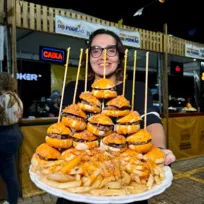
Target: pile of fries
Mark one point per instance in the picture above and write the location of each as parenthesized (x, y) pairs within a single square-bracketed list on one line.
[(99, 173)]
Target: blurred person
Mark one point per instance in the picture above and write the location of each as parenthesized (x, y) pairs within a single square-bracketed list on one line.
[(11, 111), (55, 103), (54, 108)]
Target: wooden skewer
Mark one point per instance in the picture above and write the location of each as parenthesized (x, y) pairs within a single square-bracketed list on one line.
[(146, 90), (104, 64), (133, 84), (77, 79), (86, 69), (65, 75), (125, 68)]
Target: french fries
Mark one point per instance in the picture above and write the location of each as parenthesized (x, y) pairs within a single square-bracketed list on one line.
[(97, 173)]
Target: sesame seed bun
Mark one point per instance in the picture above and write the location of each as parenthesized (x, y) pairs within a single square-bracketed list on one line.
[(85, 135), (140, 141), (103, 83), (90, 98), (74, 109), (59, 128), (100, 119), (127, 129), (156, 155), (119, 101), (104, 88), (114, 138), (132, 117)]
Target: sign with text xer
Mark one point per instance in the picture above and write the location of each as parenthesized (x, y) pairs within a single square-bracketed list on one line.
[(50, 54)]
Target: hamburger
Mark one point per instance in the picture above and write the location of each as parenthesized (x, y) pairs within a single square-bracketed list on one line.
[(85, 140), (155, 155), (140, 141), (100, 124), (117, 107), (103, 89), (59, 136), (69, 154), (44, 154), (74, 117), (89, 103), (114, 143), (128, 124)]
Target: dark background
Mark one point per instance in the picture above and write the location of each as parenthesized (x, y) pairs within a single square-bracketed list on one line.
[(34, 90), (184, 18)]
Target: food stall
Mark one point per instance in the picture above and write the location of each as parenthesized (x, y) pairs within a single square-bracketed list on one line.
[(185, 130)]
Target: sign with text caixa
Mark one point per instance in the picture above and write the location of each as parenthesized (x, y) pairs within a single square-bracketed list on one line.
[(50, 54), (83, 29)]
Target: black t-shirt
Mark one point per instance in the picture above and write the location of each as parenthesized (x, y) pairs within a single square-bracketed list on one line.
[(152, 115), (54, 110)]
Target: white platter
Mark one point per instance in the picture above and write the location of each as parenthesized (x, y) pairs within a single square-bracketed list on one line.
[(156, 190)]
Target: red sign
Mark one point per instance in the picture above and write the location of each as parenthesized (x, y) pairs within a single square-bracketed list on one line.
[(52, 54), (178, 69)]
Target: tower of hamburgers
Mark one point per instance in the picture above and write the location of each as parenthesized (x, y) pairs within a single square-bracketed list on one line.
[(85, 140), (44, 154), (103, 89), (74, 117), (114, 143), (59, 136), (117, 107), (128, 124), (100, 125), (141, 141), (89, 103)]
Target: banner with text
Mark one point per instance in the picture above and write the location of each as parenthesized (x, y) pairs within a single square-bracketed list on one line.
[(83, 29), (194, 51)]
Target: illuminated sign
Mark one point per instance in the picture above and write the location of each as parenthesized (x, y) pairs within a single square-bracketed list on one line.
[(28, 76), (202, 76), (176, 68), (201, 87), (52, 55)]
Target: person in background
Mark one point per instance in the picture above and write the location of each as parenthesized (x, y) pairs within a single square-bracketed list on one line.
[(11, 111), (55, 104), (104, 39)]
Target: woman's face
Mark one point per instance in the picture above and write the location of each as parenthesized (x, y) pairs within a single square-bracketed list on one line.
[(98, 44)]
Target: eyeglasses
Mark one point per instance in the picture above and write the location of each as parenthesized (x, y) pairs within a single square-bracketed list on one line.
[(96, 51)]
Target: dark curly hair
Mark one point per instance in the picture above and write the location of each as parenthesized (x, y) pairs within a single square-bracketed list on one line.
[(120, 48), (7, 82)]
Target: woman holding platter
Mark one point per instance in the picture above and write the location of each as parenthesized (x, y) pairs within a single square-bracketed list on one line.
[(102, 40)]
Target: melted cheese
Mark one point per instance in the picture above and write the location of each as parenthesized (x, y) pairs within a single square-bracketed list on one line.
[(108, 148), (81, 146)]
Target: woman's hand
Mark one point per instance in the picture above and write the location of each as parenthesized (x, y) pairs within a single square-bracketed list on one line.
[(169, 157)]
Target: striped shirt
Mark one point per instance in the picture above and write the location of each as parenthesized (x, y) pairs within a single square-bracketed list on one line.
[(11, 108)]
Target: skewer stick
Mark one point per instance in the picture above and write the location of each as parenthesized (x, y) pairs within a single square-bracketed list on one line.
[(104, 64), (86, 69), (125, 68), (65, 75), (77, 79), (133, 84), (146, 88)]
